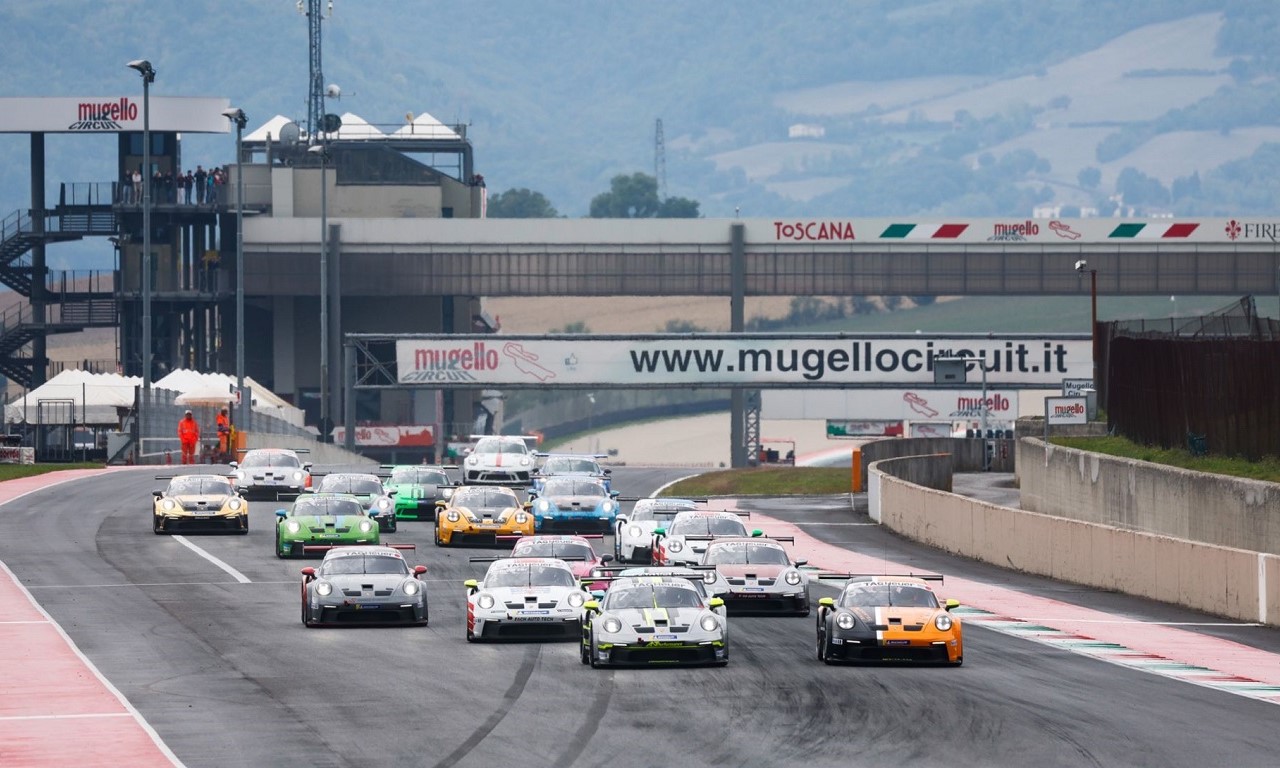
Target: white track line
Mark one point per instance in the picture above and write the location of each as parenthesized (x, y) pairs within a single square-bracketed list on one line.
[(238, 576)]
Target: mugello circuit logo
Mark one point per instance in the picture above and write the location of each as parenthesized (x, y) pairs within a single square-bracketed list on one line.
[(103, 116)]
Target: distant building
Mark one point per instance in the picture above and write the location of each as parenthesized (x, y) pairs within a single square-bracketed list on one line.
[(806, 131)]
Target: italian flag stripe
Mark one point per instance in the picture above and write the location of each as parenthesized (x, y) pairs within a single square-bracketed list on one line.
[(949, 231), (1127, 230), (897, 231), (1180, 230)]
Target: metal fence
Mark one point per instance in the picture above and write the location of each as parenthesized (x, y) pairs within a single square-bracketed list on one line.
[(154, 428)]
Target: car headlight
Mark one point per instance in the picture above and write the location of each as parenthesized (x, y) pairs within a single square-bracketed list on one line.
[(324, 588), (542, 505), (792, 578), (521, 518), (447, 493), (168, 504), (635, 531), (675, 545), (411, 587), (709, 576), (845, 620), (452, 516), (612, 626), (366, 526), (942, 622), (384, 503), (234, 504), (299, 477), (576, 599), (485, 601), (472, 461), (292, 526), (525, 462), (608, 506), (709, 623)]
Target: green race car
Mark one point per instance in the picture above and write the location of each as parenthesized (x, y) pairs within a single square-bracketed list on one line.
[(318, 522), (417, 489)]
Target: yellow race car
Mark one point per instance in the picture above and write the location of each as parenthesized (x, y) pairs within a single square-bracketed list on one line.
[(888, 618), (475, 514), (199, 502)]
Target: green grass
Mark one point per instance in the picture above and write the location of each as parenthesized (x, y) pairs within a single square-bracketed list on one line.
[(15, 471), (1267, 469), (766, 481)]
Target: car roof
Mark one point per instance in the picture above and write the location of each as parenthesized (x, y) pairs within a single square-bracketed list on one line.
[(511, 562), (553, 537), (744, 540), (653, 581)]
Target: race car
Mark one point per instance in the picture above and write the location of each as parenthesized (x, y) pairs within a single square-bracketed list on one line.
[(364, 585), (888, 618), (196, 502), (525, 598), (498, 460), (480, 514), (318, 522), (683, 541), (417, 489), (368, 489), (275, 474), (761, 577), (654, 620), (633, 533), (573, 505), (571, 465), (575, 550)]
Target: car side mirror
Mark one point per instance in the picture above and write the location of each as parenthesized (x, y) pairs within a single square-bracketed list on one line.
[(952, 603), (233, 464), (597, 594), (441, 504), (606, 558), (392, 492), (591, 605), (309, 572), (659, 531), (157, 494), (307, 466), (282, 513), (757, 533), (614, 494), (716, 602), (608, 471), (799, 563), (827, 602), (418, 570), (472, 585)]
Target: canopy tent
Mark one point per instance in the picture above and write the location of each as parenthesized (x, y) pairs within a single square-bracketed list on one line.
[(215, 389), (270, 128), (424, 126), (356, 127), (75, 396)]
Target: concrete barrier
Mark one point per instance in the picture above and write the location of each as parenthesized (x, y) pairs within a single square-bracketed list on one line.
[(1214, 509), (967, 451), (319, 453), (1225, 581)]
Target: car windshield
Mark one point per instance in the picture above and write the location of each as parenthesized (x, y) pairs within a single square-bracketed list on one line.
[(568, 486), (419, 477), (484, 498), (695, 578), (360, 486), (199, 486), (653, 596), (270, 459), (351, 564), (704, 525), (305, 507), (574, 549), (504, 445), (563, 465), (530, 576), (872, 595), (663, 514), (747, 554)]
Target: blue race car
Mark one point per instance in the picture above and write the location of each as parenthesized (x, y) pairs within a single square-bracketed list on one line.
[(573, 505), (571, 465)]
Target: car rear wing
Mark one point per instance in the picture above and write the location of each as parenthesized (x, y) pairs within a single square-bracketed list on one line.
[(496, 558), (545, 454), (667, 498), (846, 576)]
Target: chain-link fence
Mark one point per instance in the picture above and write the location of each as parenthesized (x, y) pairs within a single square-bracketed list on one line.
[(153, 429)]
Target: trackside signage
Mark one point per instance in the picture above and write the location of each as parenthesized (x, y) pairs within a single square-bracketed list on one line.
[(112, 114), (719, 360), (1066, 410)]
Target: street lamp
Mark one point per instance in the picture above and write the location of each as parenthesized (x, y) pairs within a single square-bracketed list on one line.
[(325, 426), (237, 116), (148, 73), (1082, 266)]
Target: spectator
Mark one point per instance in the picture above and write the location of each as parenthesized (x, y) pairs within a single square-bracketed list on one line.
[(184, 187), (137, 185), (126, 189), (188, 436), (168, 187), (201, 179), (224, 434)]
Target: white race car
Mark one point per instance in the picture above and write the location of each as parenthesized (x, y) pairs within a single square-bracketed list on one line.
[(654, 620), (274, 474), (499, 460), (633, 531), (683, 541), (524, 598), (761, 577)]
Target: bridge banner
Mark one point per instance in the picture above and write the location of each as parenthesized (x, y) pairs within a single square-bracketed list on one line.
[(724, 360)]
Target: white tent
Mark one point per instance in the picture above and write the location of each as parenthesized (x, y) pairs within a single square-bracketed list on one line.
[(197, 388), (272, 127), (75, 396), (356, 127), (424, 126)]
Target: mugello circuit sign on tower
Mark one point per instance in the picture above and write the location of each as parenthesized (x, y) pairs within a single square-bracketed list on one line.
[(726, 360), (112, 114)]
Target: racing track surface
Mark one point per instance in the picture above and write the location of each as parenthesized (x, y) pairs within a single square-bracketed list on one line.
[(227, 675)]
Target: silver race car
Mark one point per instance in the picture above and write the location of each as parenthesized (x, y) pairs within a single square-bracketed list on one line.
[(525, 598), (364, 585), (686, 538), (761, 577), (704, 578), (276, 474), (499, 460), (654, 620), (633, 531)]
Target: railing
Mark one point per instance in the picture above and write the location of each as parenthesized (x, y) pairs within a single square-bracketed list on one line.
[(15, 224), (13, 317), (83, 193), (95, 281)]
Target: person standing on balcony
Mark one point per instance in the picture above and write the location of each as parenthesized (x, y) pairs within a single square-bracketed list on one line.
[(189, 436)]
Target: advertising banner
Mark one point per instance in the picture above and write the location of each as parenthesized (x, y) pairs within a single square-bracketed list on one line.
[(721, 360), (870, 428), (1066, 410), (393, 436), (13, 454), (112, 114)]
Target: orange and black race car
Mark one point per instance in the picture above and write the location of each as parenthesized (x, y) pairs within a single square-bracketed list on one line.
[(888, 618)]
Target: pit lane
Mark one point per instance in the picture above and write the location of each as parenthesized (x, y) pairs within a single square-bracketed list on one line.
[(227, 675)]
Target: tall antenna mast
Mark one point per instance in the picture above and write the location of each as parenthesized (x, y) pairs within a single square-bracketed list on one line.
[(660, 160), (315, 92)]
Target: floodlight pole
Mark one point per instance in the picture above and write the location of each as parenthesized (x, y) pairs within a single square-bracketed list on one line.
[(238, 117), (325, 427), (148, 74)]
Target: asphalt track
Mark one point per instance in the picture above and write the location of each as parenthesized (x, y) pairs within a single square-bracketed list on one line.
[(214, 657)]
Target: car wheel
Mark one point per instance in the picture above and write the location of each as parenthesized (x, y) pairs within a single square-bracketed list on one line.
[(471, 636), (279, 552), (592, 660), (822, 645), (585, 653), (958, 662), (157, 527), (439, 541)]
